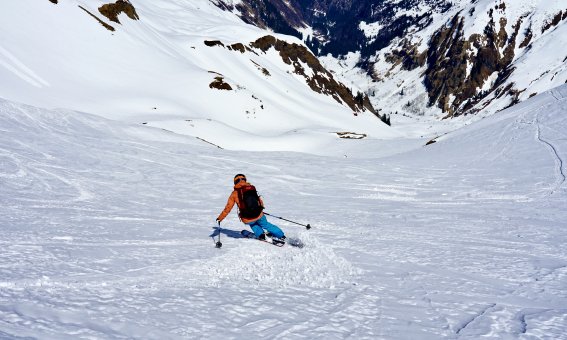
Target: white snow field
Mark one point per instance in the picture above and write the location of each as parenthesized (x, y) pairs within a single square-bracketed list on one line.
[(106, 233)]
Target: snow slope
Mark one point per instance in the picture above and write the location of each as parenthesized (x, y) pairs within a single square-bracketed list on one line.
[(106, 233), (157, 70)]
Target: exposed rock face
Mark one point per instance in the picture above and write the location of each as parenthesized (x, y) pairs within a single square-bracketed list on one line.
[(458, 67), (112, 11), (317, 77), (321, 80), (54, 1), (282, 16), (220, 84), (407, 55), (562, 15), (238, 47), (212, 43)]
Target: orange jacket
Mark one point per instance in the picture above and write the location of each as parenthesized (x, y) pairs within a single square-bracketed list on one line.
[(233, 198)]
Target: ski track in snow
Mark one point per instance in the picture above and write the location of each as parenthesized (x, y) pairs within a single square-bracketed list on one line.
[(560, 163), (12, 64), (109, 236)]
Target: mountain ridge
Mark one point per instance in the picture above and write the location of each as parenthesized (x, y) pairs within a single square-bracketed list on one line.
[(478, 70)]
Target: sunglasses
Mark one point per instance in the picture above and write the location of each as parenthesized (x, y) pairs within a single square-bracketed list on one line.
[(237, 180)]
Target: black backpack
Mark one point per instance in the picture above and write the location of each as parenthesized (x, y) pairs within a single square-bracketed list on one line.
[(250, 206)]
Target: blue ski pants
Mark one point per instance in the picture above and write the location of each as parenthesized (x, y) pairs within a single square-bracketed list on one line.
[(262, 224)]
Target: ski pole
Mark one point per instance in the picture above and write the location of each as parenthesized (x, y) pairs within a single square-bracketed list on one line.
[(307, 226), (218, 244)]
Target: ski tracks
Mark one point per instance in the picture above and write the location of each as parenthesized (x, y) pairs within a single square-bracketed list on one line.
[(550, 143), (14, 65)]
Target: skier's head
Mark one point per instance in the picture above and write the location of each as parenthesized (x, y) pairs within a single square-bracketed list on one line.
[(238, 178)]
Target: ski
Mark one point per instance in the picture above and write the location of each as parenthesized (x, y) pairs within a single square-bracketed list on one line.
[(290, 241), (249, 234)]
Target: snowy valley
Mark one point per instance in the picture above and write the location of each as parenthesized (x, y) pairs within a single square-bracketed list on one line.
[(117, 152)]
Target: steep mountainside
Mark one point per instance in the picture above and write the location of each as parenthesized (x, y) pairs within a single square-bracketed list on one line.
[(485, 56), (185, 66), (442, 57)]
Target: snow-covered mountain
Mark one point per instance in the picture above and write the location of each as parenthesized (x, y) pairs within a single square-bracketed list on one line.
[(196, 68), (433, 57), (185, 66)]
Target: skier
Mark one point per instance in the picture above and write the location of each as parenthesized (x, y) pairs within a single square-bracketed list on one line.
[(250, 207)]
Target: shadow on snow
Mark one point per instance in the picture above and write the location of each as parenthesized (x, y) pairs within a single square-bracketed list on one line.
[(228, 232)]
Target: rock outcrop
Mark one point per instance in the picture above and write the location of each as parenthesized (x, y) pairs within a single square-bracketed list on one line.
[(113, 10), (305, 64), (458, 67)]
